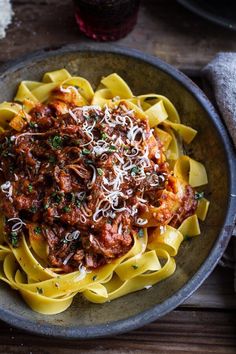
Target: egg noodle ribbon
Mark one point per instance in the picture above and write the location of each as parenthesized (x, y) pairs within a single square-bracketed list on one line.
[(151, 258)]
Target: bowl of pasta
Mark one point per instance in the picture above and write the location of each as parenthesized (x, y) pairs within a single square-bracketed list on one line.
[(116, 190)]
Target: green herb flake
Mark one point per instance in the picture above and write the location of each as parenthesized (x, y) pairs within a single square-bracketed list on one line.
[(72, 197), (135, 266), (199, 195), (5, 153), (39, 290), (140, 233), (56, 142), (14, 239), (112, 148), (86, 152), (46, 206), (37, 230), (78, 142), (94, 277), (135, 170), (33, 125), (104, 136), (66, 209), (100, 171), (57, 198), (88, 162), (30, 188), (78, 203), (187, 238), (52, 159), (33, 209)]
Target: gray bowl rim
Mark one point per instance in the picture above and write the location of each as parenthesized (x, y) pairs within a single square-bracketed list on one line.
[(230, 24), (152, 314)]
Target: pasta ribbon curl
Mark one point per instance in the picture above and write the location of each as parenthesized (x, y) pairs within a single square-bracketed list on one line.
[(151, 258)]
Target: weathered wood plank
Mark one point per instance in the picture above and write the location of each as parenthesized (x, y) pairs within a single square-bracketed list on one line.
[(216, 292), (164, 29), (178, 332)]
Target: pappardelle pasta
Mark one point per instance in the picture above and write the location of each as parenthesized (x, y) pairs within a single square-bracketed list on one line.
[(96, 194)]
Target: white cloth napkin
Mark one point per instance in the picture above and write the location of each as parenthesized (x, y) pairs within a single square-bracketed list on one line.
[(220, 80), (6, 14)]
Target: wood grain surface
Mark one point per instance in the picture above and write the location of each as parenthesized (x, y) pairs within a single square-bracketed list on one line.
[(191, 331), (206, 322), (164, 29)]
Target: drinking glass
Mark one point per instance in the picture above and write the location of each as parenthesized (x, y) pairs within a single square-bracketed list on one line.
[(106, 20)]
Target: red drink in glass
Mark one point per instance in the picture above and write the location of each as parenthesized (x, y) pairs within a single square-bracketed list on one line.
[(106, 20)]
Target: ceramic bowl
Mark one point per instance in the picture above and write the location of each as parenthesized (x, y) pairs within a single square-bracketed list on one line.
[(212, 146)]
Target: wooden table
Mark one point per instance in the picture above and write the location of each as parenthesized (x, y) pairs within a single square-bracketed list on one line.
[(206, 322)]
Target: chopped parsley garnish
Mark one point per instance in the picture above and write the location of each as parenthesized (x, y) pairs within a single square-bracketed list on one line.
[(104, 136), (14, 239), (141, 233), (56, 142), (33, 209), (57, 198), (5, 153), (112, 148), (100, 171), (187, 238), (71, 197), (33, 125), (78, 142), (86, 151), (135, 170), (88, 162), (37, 230), (94, 277), (78, 203), (199, 195), (52, 159), (30, 188), (134, 266), (66, 209), (46, 206), (39, 290)]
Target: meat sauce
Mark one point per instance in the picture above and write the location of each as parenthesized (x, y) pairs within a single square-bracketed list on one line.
[(85, 178)]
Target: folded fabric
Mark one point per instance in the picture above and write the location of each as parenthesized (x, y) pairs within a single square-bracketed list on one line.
[(220, 79), (6, 14)]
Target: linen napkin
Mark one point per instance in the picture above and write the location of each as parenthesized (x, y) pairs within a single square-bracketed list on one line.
[(220, 80), (6, 14)]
